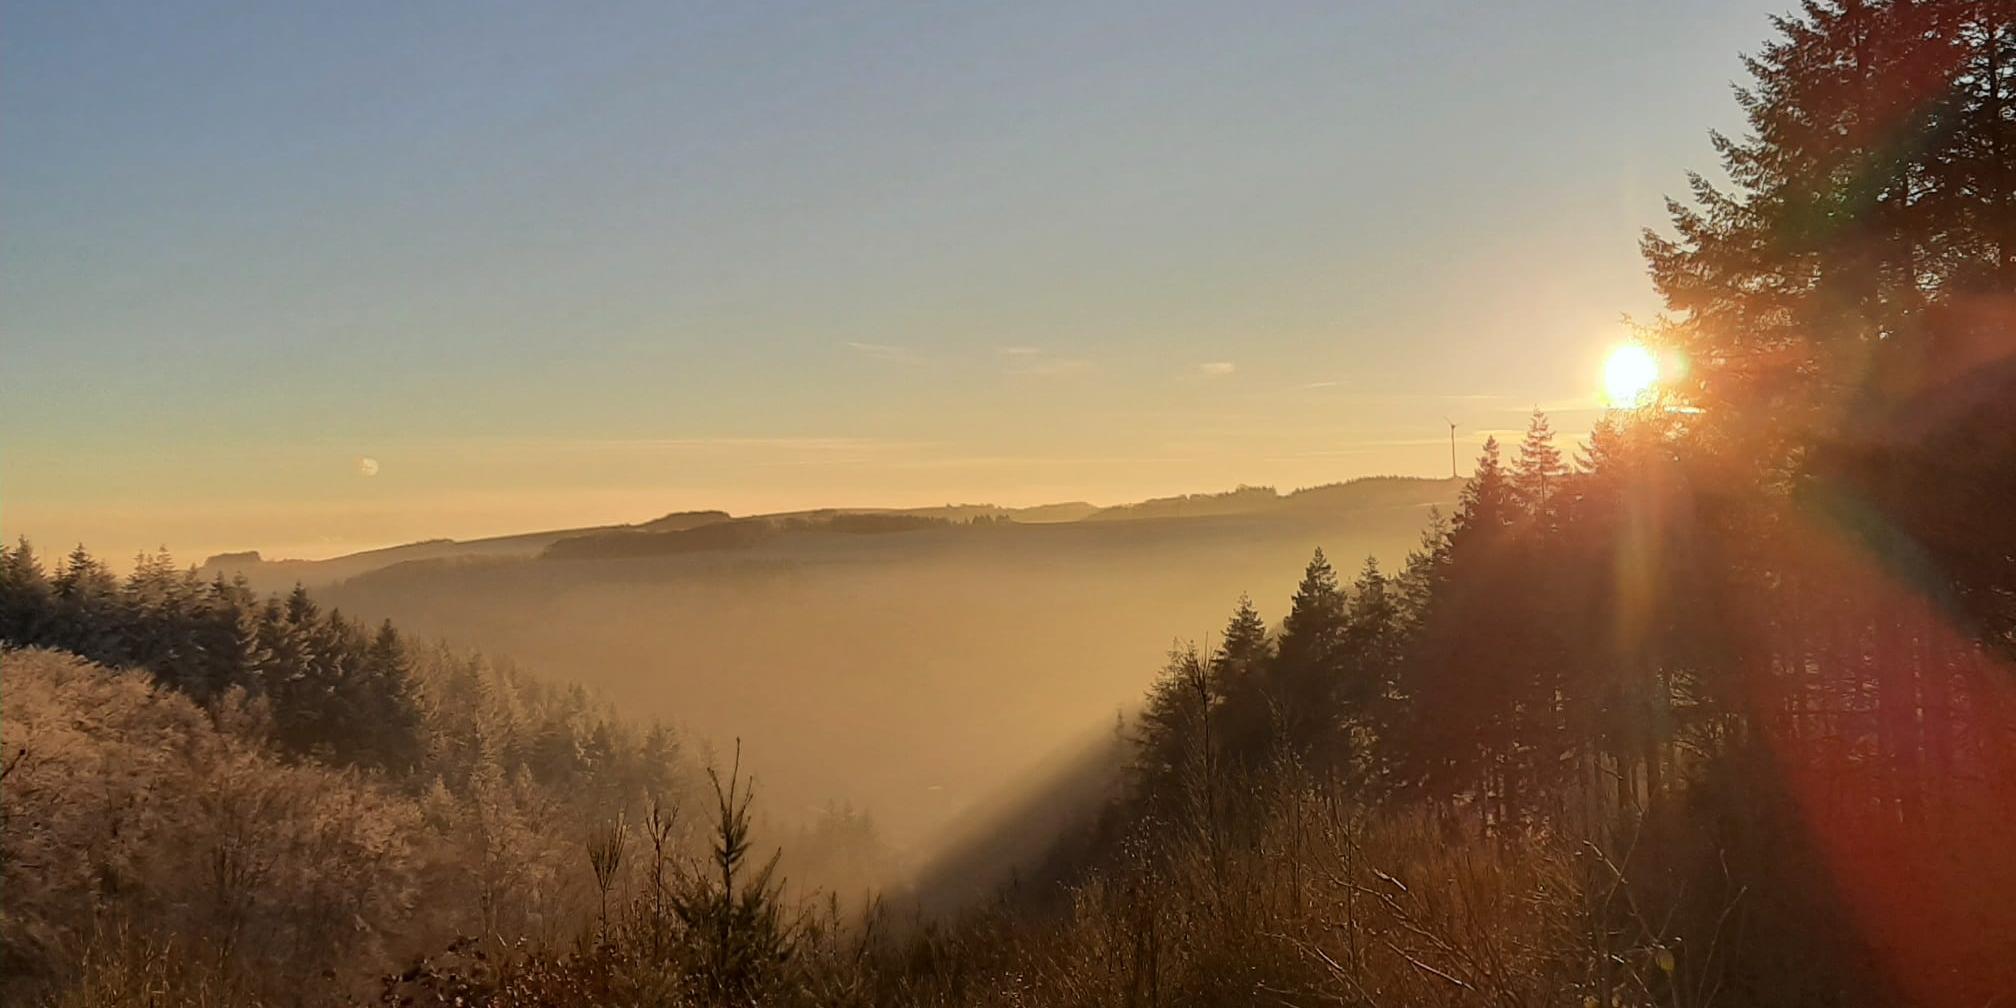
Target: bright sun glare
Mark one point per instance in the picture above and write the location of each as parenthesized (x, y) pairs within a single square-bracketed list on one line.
[(1629, 375)]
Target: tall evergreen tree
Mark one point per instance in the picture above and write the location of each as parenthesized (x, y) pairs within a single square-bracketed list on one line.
[(1178, 755), (1239, 669), (1485, 508), (1245, 647), (25, 597), (89, 618), (394, 715), (1415, 587), (1870, 222), (1304, 684), (1372, 643), (1538, 471)]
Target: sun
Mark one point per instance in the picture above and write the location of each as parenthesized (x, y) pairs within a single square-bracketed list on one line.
[(1630, 376)]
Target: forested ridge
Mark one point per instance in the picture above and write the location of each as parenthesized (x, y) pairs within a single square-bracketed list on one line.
[(1715, 708)]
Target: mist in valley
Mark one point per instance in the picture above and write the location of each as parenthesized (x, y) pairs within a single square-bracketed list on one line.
[(923, 676)]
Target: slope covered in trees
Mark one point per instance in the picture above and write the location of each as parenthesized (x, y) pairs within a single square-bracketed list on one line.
[(278, 786)]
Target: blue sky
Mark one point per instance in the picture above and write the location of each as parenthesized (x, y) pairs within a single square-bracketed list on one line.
[(570, 263)]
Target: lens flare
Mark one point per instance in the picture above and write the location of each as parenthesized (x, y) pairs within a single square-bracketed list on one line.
[(1630, 376)]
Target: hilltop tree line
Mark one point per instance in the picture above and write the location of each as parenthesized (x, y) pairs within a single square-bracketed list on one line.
[(336, 689)]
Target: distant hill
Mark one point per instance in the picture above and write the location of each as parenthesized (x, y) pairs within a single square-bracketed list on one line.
[(1369, 491), (1245, 500), (680, 521), (272, 575), (922, 663), (714, 530)]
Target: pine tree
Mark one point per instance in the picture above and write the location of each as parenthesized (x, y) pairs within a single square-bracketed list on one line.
[(387, 682), (1538, 471), (1176, 753), (88, 617), (1239, 669), (1415, 587), (164, 611), (289, 669), (1468, 676), (1310, 633), (1873, 208), (1372, 642), (1372, 626), (1245, 646), (25, 597), (1307, 668), (249, 661), (1485, 508), (739, 937)]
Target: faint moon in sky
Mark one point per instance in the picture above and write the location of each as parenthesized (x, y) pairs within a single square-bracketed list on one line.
[(367, 466)]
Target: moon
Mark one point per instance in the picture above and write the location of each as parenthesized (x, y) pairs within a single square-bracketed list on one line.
[(367, 466)]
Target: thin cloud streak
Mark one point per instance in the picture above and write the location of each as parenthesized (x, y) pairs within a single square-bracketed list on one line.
[(1040, 362), (883, 352)]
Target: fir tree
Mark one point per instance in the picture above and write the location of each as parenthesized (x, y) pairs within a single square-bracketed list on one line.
[(1306, 670), (1539, 469), (1873, 207), (88, 617), (1373, 638), (1416, 585), (1245, 647), (1485, 508), (1238, 675), (387, 683), (25, 597)]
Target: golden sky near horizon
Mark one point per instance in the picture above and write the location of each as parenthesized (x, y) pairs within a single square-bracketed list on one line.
[(311, 280)]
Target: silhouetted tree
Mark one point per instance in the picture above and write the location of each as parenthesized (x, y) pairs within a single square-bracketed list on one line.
[(1239, 670), (1304, 685), (1538, 471)]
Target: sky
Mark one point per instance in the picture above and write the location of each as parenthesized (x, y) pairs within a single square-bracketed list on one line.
[(315, 277)]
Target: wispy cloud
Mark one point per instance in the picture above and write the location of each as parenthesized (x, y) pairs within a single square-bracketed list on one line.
[(1351, 390), (883, 351), (1034, 360), (1216, 369)]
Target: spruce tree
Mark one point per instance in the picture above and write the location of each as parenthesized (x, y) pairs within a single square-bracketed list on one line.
[(388, 688), (1486, 506), (25, 597), (1538, 471), (1416, 585), (1869, 224), (88, 616), (1245, 646), (1371, 648), (1238, 671), (1308, 665)]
